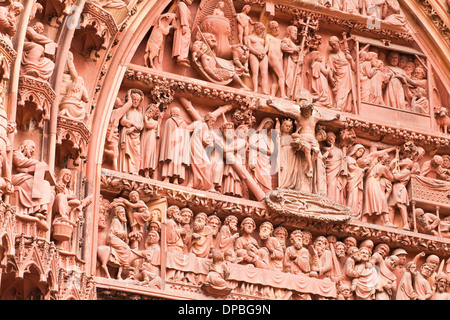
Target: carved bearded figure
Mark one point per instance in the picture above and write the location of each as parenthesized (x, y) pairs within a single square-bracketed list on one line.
[(130, 137), (34, 195)]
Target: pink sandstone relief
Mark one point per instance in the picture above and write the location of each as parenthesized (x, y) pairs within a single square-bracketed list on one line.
[(249, 150)]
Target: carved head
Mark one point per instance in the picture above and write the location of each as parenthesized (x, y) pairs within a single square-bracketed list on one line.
[(16, 7), (38, 27), (232, 222), (274, 28), (296, 239), (334, 44), (382, 249), (265, 230), (246, 9), (241, 131), (152, 238), (357, 151), (120, 213), (214, 222), (409, 68), (173, 212), (136, 98), (412, 268), (392, 262), (154, 226), (394, 59), (419, 73), (339, 249), (292, 32), (248, 225), (426, 270), (320, 244), (27, 148), (401, 254), (365, 254), (367, 243), (65, 177), (433, 261), (350, 242), (287, 126), (353, 252), (306, 108), (280, 233), (403, 60), (259, 28), (331, 138), (175, 112), (307, 238), (210, 119), (200, 221), (441, 282), (186, 215), (133, 196)]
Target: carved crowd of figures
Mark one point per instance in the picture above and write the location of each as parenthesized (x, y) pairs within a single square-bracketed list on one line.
[(360, 270), (278, 61), (295, 153)]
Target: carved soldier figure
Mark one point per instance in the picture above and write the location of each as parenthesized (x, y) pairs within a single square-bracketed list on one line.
[(365, 280), (132, 124), (388, 281)]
